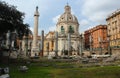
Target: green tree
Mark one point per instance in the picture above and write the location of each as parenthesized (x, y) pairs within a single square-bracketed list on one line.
[(12, 19)]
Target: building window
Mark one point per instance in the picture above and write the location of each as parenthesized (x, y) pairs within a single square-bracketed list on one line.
[(71, 29), (62, 29)]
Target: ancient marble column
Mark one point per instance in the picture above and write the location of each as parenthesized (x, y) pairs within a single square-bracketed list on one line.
[(69, 44), (35, 47), (42, 42), (8, 39), (56, 43)]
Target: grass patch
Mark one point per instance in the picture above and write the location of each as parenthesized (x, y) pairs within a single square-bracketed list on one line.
[(33, 72), (94, 72), (64, 70)]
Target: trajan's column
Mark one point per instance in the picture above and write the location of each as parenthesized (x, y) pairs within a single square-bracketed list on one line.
[(35, 47)]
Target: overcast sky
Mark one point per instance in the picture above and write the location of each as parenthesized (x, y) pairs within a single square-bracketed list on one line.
[(89, 12)]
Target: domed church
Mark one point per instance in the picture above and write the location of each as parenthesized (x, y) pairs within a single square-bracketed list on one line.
[(66, 40), (68, 33)]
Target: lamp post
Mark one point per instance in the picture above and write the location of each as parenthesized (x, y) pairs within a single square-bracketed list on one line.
[(109, 49)]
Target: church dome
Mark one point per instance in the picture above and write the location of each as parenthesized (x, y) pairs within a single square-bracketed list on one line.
[(67, 16)]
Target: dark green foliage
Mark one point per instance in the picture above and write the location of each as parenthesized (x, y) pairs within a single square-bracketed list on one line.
[(11, 19)]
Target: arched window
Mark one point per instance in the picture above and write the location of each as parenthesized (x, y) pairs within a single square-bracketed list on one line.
[(62, 29), (71, 29)]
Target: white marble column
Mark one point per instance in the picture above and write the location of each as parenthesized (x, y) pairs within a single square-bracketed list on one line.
[(35, 47), (69, 44), (56, 43), (42, 43)]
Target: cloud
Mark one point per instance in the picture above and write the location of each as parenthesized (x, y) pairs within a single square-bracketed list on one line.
[(84, 22), (55, 19), (89, 27), (98, 17), (52, 28), (89, 12), (97, 10), (31, 28), (72, 12)]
